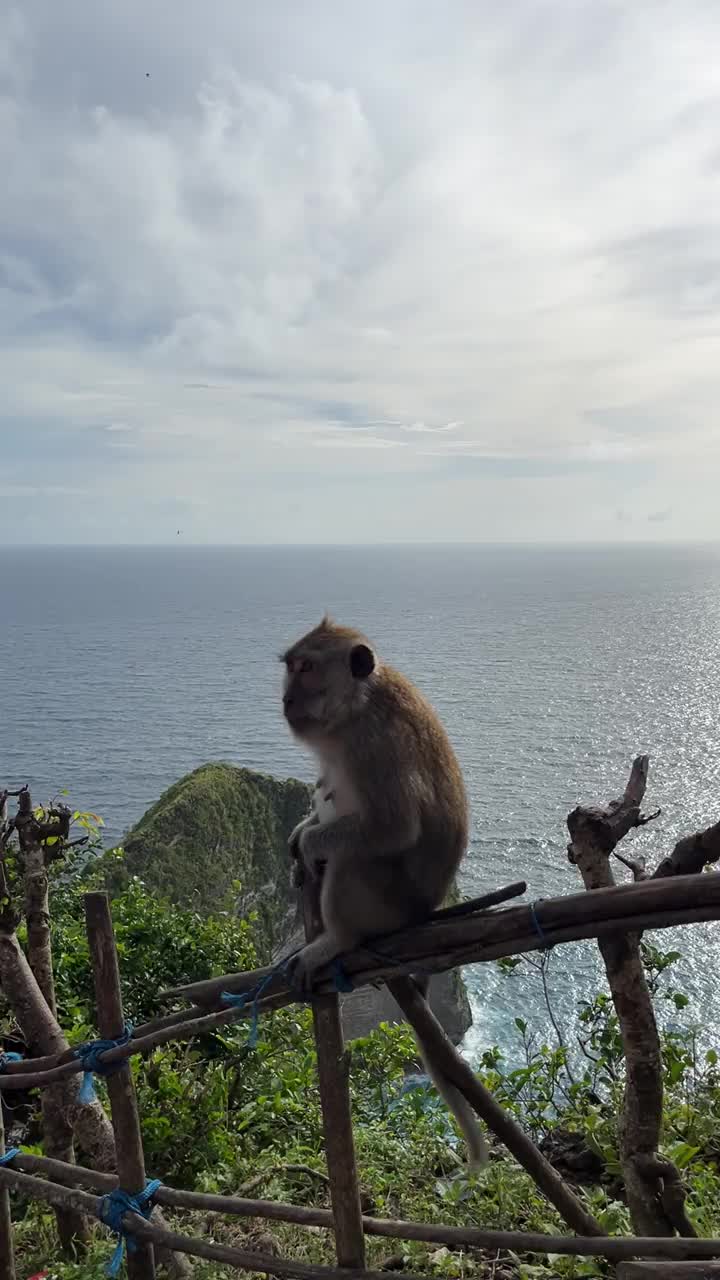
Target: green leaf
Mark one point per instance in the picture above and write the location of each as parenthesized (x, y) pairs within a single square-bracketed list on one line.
[(683, 1153)]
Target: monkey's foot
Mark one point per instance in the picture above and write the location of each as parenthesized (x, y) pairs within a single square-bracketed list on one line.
[(300, 975), (301, 969)]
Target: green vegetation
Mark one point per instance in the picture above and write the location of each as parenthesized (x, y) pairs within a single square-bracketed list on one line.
[(217, 840), (219, 1116)]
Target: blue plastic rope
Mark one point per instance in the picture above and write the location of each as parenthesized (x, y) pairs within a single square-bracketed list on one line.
[(9, 1057), (342, 983), (248, 997), (342, 980), (538, 927), (90, 1056), (110, 1211), (10, 1155)]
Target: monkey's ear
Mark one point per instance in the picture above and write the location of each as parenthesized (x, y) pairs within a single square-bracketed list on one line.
[(362, 661)]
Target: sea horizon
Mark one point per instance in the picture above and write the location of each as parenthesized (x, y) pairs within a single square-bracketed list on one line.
[(552, 667)]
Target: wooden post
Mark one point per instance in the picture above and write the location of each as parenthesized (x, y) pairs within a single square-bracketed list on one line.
[(333, 1073), (123, 1102), (37, 909), (653, 1186), (7, 1255), (57, 1123)]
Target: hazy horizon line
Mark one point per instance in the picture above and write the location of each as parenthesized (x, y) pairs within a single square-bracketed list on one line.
[(349, 546)]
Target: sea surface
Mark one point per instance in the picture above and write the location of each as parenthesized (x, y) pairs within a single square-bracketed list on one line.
[(123, 668)]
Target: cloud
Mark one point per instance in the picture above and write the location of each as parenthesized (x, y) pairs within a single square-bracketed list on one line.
[(320, 246)]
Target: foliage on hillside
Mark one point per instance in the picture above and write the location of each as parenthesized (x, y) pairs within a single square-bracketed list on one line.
[(220, 1116), (217, 839)]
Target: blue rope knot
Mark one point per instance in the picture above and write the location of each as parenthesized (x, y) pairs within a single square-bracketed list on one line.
[(10, 1155), (250, 997), (90, 1056), (343, 981), (547, 946), (111, 1209), (5, 1058)]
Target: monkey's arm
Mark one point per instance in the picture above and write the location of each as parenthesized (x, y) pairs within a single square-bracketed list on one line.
[(294, 845), (294, 839), (354, 836)]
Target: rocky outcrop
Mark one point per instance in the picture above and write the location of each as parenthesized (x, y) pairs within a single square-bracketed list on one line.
[(217, 841)]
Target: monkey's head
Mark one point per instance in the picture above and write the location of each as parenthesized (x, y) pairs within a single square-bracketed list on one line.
[(328, 678)]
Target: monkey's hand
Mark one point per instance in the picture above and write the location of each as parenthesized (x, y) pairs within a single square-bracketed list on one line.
[(297, 866), (297, 872), (294, 838)]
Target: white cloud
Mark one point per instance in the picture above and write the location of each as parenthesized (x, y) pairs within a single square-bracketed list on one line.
[(325, 246)]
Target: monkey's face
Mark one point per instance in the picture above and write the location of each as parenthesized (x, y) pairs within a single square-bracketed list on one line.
[(326, 677)]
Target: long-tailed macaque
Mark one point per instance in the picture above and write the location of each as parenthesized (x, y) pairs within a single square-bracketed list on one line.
[(389, 823)]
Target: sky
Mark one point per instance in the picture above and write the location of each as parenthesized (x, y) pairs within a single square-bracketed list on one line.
[(346, 273)]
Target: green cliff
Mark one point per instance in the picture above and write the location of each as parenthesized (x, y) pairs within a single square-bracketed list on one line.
[(217, 840)]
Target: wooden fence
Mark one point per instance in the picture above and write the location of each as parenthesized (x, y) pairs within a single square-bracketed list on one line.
[(679, 892)]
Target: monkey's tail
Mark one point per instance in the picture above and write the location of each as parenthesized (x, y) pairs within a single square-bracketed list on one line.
[(457, 1103), (406, 991)]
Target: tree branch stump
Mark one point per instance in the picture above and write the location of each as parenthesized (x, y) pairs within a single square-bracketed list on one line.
[(594, 834)]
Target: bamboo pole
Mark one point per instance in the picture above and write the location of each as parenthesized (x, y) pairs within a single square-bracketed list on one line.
[(7, 1253), (244, 1259), (654, 904), (489, 935), (668, 1271), (615, 1248), (121, 1091), (333, 1078)]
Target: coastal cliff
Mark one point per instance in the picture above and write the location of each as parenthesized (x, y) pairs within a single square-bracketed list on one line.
[(216, 841)]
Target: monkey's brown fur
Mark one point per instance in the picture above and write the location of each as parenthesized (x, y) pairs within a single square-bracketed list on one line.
[(398, 814)]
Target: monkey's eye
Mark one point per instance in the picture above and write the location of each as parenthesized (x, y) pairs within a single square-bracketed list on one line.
[(306, 665)]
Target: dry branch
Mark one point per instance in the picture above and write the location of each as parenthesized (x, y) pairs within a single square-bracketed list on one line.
[(691, 854), (652, 1188), (41, 1032), (614, 1248), (34, 860), (7, 1253)]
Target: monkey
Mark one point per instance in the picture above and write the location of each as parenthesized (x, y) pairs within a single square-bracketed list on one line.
[(389, 822)]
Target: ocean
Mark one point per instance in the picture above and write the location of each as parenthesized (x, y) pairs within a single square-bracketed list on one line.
[(123, 668)]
